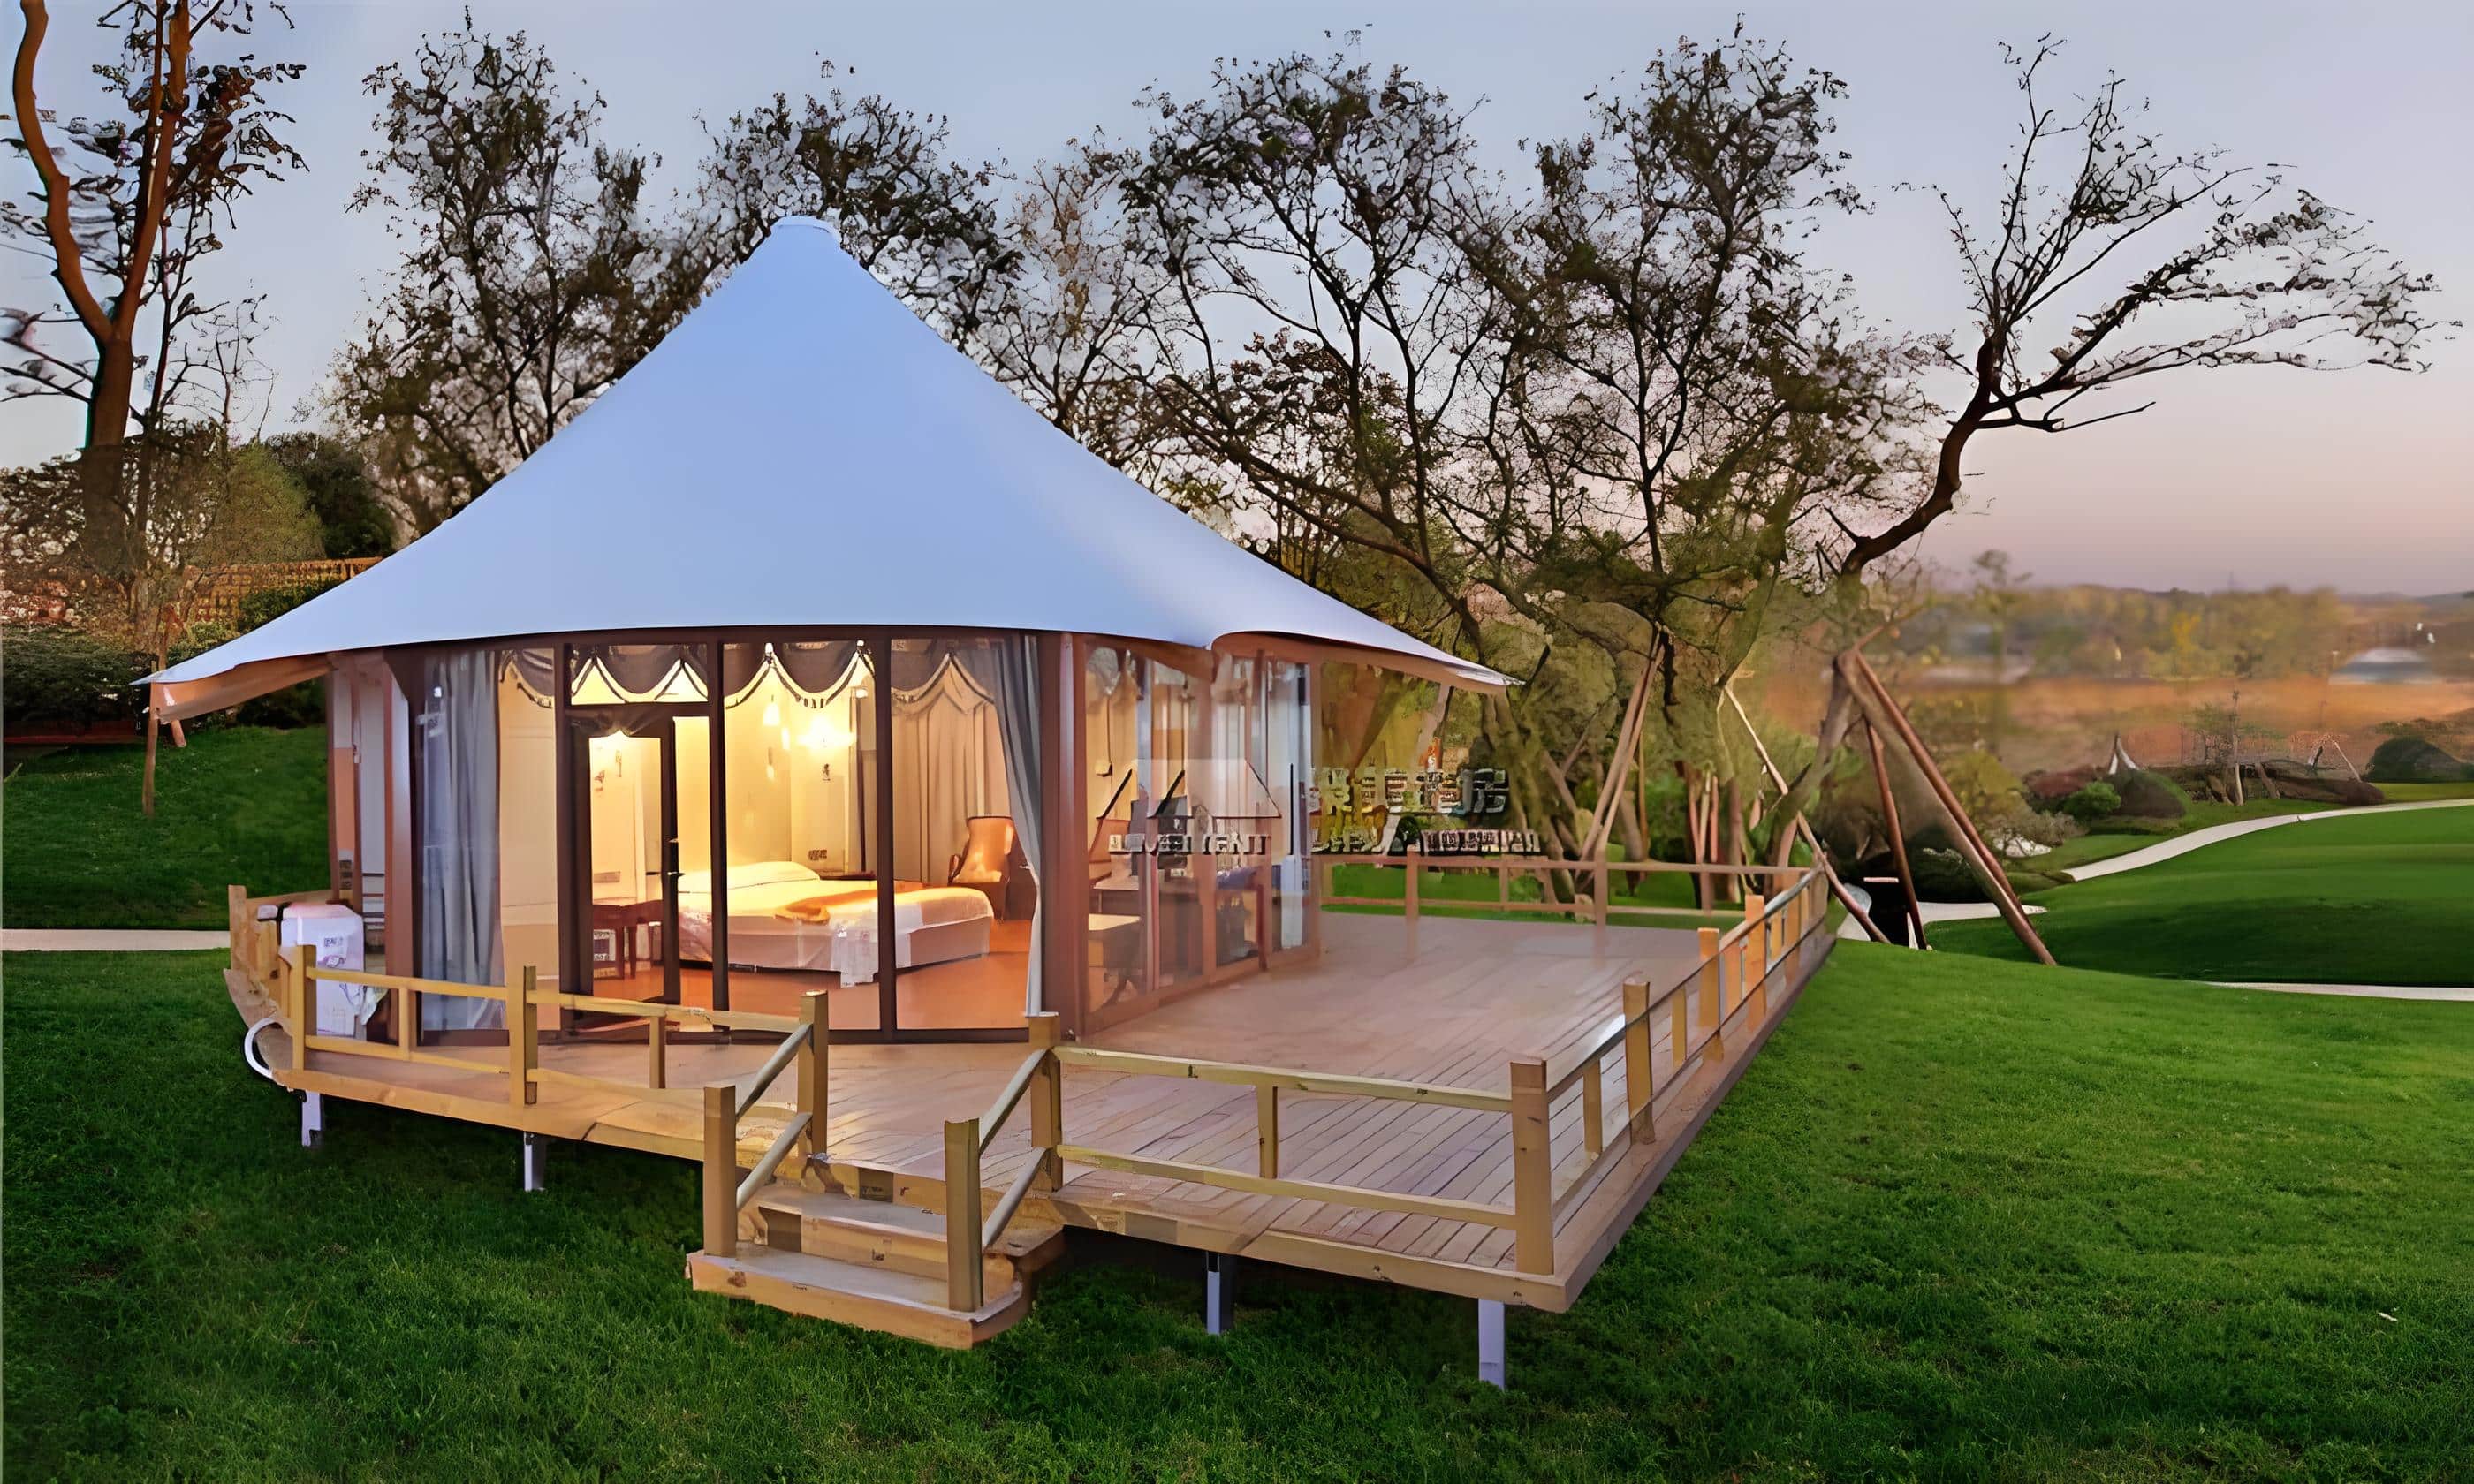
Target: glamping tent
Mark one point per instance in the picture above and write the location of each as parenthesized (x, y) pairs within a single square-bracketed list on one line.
[(809, 657)]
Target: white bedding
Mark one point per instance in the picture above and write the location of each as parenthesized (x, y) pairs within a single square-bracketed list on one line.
[(844, 944)]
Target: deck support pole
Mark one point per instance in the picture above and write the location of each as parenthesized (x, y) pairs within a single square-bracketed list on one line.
[(313, 1120), (536, 1163), (1490, 1343), (1219, 1292)]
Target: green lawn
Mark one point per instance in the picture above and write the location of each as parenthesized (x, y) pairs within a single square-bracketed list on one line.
[(2121, 836), (1962, 1219), (241, 805), (2419, 793), (2376, 898)]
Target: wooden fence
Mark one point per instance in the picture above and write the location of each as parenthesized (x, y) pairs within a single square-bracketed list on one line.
[(1732, 982)]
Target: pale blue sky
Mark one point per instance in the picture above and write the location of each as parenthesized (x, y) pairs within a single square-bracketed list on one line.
[(2253, 477)]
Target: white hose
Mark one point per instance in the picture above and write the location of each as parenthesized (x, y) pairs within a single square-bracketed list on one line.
[(249, 1047)]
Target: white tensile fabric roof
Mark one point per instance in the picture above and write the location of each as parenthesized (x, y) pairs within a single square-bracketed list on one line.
[(803, 450)]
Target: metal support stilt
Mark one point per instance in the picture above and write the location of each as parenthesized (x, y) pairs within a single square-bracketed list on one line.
[(536, 1162), (1489, 1342), (1219, 1292), (313, 1120)]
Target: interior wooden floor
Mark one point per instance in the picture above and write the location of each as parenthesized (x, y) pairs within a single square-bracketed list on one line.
[(1475, 994), (970, 993)]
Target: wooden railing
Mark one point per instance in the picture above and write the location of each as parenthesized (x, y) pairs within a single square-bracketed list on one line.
[(1596, 905), (725, 1193), (968, 1234), (1732, 979)]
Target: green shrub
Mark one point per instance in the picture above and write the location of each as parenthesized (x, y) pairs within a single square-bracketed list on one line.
[(2092, 802), (1941, 875), (2415, 760), (60, 677), (2147, 795), (268, 604)]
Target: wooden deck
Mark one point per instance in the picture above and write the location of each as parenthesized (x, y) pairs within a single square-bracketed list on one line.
[(1475, 995)]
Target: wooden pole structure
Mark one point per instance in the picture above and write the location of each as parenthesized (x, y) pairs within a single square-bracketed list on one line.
[(1875, 699), (1804, 827), (1898, 835)]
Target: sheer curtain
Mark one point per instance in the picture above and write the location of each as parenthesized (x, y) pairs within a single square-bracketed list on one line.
[(457, 788)]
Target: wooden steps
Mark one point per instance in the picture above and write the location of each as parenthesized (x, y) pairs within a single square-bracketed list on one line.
[(875, 1264)]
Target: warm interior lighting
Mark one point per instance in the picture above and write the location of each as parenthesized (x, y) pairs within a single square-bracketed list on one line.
[(772, 713)]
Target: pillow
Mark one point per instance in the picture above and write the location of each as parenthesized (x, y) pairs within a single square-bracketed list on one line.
[(762, 872)]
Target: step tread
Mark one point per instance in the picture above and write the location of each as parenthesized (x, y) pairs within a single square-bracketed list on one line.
[(786, 1198), (867, 1295)]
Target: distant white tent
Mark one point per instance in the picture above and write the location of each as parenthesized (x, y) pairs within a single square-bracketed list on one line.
[(803, 452)]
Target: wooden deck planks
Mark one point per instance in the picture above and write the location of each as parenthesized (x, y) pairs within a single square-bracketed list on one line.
[(1478, 994)]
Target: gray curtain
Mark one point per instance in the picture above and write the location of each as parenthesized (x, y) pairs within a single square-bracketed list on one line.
[(815, 667), (457, 787), (1015, 686)]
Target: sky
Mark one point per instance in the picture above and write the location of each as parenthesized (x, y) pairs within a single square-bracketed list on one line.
[(2247, 478)]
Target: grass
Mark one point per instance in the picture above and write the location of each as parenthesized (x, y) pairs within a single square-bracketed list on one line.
[(241, 805), (1963, 1220), (2423, 793), (2375, 899), (2123, 835)]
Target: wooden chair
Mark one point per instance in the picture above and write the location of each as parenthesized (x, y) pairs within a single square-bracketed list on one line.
[(990, 858)]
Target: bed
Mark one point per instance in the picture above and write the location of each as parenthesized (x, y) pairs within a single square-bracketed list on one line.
[(783, 916)]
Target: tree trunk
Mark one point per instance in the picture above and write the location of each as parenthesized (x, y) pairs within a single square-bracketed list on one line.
[(154, 724)]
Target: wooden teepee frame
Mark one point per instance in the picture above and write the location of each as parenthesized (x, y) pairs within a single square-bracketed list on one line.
[(1884, 721)]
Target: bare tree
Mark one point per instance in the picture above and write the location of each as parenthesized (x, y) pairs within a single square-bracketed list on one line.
[(532, 277), (1064, 329), (924, 224), (129, 205), (2240, 270)]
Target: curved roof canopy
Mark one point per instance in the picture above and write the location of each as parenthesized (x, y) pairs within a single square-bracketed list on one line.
[(803, 452)]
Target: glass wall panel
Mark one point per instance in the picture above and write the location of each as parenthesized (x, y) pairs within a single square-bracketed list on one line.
[(527, 816), (1116, 972), (1289, 735), (965, 831), (456, 763)]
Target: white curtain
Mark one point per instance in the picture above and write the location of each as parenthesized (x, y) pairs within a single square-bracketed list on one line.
[(949, 765), (458, 792)]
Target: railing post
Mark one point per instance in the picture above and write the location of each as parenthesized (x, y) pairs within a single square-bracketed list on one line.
[(1757, 938), (1594, 1109), (235, 911), (1678, 1005), (1713, 997), (524, 1037), (812, 1024), (1532, 1169), (302, 966), (657, 1039), (1409, 896), (1267, 1131), (1604, 882), (963, 1291), (721, 1171), (1638, 1087), (1047, 1093)]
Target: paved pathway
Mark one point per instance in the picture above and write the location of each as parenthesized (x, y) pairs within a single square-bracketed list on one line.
[(2184, 844), (2463, 993), (109, 940)]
